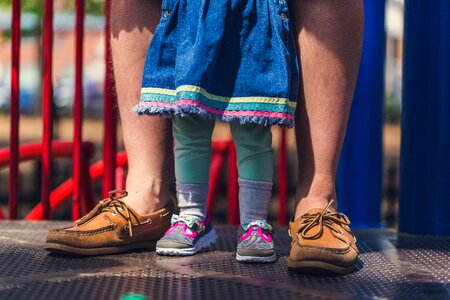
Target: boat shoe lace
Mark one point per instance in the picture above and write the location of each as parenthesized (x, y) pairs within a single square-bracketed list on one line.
[(322, 219), (114, 205)]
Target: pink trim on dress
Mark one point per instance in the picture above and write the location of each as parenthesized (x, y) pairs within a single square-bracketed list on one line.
[(218, 111), (233, 113)]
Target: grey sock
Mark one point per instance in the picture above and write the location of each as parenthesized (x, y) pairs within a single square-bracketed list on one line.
[(192, 199), (254, 198)]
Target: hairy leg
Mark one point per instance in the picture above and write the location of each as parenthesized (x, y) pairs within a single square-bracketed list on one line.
[(329, 43), (148, 140)]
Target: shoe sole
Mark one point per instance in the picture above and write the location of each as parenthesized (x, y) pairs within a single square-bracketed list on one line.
[(204, 243), (70, 250), (318, 267), (256, 259)]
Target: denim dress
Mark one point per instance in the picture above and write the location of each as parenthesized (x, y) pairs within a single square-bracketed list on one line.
[(222, 59)]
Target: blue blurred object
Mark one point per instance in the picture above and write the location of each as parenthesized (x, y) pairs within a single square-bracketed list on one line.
[(359, 184), (28, 99), (425, 153)]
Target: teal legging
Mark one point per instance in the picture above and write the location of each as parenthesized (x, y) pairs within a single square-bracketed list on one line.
[(193, 150)]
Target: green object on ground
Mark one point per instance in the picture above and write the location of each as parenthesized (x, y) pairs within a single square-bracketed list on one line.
[(133, 296)]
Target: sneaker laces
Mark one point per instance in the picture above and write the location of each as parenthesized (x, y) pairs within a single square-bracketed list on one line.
[(325, 218), (193, 223), (261, 223), (114, 205)]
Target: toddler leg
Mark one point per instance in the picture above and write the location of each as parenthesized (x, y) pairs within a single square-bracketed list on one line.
[(192, 160), (190, 232), (255, 166)]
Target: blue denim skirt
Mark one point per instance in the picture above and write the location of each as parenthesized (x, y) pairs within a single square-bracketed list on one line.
[(222, 59)]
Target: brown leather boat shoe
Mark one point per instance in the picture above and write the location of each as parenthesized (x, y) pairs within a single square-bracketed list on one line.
[(322, 243), (111, 227)]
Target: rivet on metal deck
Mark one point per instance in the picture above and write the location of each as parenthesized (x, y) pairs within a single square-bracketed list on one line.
[(390, 266)]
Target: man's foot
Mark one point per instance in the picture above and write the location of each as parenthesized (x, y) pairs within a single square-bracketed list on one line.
[(187, 236), (322, 243), (255, 243), (111, 227)]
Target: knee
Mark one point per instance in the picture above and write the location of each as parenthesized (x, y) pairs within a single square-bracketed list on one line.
[(253, 136), (192, 133)]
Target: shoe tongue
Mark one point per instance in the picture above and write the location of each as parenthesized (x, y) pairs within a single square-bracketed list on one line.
[(133, 214), (295, 225), (315, 211)]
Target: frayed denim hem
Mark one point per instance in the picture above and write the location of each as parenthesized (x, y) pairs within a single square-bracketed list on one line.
[(186, 110)]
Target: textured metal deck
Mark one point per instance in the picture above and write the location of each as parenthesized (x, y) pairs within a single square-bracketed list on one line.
[(390, 266)]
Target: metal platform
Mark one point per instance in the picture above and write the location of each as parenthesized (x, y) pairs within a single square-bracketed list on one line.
[(390, 266)]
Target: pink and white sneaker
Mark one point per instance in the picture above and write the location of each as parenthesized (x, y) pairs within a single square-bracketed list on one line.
[(187, 236), (255, 243)]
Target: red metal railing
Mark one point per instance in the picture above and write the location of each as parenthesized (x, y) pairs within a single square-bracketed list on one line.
[(78, 157), (14, 133), (109, 114), (47, 107), (111, 169), (33, 151)]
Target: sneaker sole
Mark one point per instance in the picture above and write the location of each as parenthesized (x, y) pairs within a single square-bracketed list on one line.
[(75, 251), (256, 259), (318, 267), (204, 243)]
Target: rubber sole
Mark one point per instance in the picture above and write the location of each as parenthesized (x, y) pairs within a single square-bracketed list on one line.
[(202, 244), (256, 259), (318, 267), (69, 250)]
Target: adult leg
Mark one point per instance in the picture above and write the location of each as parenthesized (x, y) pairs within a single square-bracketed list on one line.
[(148, 140), (149, 147), (329, 43), (329, 38)]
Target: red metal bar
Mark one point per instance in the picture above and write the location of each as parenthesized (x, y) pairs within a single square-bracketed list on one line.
[(64, 191), (219, 151), (47, 113), (14, 113), (282, 179), (78, 111), (233, 188), (31, 151), (96, 170), (109, 116)]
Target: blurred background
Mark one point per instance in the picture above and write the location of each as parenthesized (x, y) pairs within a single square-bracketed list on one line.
[(93, 76)]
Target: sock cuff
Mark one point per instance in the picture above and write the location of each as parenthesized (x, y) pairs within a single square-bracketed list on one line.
[(253, 184), (193, 188)]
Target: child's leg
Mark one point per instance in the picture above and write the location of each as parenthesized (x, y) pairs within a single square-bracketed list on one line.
[(255, 166), (254, 160), (190, 231), (192, 160)]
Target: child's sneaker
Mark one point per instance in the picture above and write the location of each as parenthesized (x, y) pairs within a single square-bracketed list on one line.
[(187, 236), (255, 243)]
